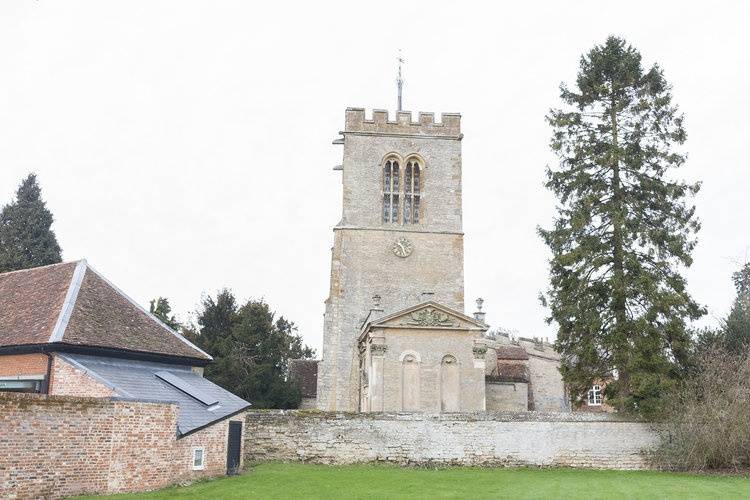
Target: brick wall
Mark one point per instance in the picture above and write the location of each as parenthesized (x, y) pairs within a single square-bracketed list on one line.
[(23, 364), (538, 439), (69, 380), (57, 446)]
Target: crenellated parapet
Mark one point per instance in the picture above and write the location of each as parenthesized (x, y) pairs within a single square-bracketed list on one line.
[(425, 125)]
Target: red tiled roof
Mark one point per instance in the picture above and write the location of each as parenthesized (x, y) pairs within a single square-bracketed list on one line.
[(30, 302), (512, 352), (72, 304), (509, 372), (305, 373)]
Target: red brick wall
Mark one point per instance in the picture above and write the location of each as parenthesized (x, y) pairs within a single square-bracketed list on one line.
[(55, 446), (68, 380), (213, 440), (23, 364)]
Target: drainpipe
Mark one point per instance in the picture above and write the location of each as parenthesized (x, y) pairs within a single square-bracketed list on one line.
[(47, 379)]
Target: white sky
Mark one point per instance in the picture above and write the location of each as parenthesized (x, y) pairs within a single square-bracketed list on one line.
[(186, 146)]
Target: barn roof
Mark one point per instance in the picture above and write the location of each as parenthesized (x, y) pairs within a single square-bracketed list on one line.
[(70, 306)]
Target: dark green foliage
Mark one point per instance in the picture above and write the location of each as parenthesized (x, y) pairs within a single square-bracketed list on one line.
[(251, 350), (623, 231), (26, 239), (736, 328), (161, 309)]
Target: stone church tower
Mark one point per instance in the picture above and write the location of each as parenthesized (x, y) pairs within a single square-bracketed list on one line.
[(399, 242)]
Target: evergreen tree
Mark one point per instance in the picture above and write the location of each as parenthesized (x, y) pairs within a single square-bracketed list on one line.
[(623, 231), (736, 328), (251, 350), (26, 237), (160, 308)]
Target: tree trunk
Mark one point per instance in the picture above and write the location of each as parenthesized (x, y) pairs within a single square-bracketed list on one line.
[(618, 281)]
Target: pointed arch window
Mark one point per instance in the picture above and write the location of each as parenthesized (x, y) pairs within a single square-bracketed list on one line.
[(391, 190), (402, 190), (412, 191)]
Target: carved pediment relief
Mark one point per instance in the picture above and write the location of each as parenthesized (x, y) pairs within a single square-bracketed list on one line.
[(428, 315)]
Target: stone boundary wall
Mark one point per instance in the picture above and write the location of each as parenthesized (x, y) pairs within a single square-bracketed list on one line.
[(57, 446), (507, 439)]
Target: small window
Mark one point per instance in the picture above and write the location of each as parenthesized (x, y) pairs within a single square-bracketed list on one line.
[(20, 384), (198, 459), (595, 396)]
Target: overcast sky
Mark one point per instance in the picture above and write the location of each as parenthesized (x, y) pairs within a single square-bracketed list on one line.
[(186, 146)]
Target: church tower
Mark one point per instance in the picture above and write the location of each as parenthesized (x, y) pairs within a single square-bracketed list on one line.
[(400, 240)]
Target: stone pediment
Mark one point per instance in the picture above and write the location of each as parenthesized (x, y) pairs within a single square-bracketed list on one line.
[(428, 315)]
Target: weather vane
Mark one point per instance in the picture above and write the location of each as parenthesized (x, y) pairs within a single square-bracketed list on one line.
[(399, 80)]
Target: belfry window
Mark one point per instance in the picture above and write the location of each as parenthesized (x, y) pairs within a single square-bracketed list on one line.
[(411, 192), (391, 189), (402, 184)]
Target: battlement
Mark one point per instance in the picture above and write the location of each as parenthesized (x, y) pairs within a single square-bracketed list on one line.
[(449, 126)]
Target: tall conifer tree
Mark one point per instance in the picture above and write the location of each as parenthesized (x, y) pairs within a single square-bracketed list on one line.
[(736, 328), (26, 237), (623, 232)]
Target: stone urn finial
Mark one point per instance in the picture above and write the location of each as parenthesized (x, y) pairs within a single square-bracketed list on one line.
[(480, 315)]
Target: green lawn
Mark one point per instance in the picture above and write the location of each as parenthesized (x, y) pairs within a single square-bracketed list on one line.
[(282, 481)]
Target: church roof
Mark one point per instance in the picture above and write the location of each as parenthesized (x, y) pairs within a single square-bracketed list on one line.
[(70, 306), (512, 352)]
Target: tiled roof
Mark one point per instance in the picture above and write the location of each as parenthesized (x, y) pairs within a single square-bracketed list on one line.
[(509, 372), (305, 373), (512, 352), (138, 380), (30, 302), (71, 304)]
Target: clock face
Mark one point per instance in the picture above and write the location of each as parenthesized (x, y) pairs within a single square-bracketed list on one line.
[(402, 247)]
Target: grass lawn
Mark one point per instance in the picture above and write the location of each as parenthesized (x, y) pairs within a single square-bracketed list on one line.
[(282, 481)]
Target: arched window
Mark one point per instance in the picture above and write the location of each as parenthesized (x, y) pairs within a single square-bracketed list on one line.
[(412, 191), (391, 178)]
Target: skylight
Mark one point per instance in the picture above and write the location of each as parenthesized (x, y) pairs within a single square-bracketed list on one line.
[(187, 388)]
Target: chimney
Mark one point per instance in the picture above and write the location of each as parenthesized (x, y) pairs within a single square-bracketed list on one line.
[(479, 315)]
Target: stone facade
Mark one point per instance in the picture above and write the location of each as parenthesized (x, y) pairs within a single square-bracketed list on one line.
[(363, 262), (422, 359), (532, 438), (507, 396), (383, 266), (542, 384), (98, 445)]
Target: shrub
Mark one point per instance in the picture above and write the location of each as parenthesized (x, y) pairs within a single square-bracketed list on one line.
[(708, 422)]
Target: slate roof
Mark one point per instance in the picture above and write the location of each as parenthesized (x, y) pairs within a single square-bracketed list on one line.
[(305, 373), (137, 379), (71, 304)]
